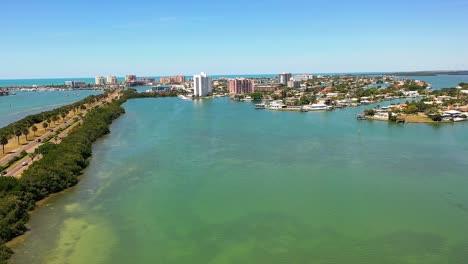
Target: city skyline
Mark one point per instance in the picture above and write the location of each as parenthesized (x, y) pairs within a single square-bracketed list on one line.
[(338, 36)]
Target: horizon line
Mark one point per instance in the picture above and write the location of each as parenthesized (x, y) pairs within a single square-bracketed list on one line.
[(240, 74)]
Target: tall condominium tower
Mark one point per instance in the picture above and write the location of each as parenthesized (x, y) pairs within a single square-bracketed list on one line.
[(202, 85), (284, 78), (240, 86)]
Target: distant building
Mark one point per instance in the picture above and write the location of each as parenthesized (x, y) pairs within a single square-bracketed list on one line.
[(202, 85), (284, 78), (99, 80), (161, 88), (75, 83), (303, 77), (294, 84), (165, 80), (176, 79), (147, 80), (179, 78), (112, 80), (241, 86), (130, 78)]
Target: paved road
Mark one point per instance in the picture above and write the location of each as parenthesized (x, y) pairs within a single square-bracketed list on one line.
[(17, 169)]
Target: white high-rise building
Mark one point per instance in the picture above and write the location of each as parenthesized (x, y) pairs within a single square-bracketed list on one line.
[(284, 78), (100, 80), (202, 85), (112, 79)]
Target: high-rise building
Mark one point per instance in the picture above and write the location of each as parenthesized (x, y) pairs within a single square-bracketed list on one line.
[(99, 80), (241, 86), (112, 80), (202, 85), (284, 78)]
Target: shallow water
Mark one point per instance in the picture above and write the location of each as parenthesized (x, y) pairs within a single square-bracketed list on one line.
[(216, 181)]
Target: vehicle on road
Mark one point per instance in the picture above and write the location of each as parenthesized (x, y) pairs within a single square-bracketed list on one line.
[(24, 163)]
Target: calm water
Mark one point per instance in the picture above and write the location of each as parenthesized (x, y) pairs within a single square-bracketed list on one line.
[(216, 181), (441, 81), (15, 107)]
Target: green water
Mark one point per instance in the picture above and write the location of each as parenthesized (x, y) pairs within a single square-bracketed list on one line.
[(216, 181)]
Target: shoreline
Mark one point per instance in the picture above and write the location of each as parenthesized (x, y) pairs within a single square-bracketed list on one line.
[(115, 110)]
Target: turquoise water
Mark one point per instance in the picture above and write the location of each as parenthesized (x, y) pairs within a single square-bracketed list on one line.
[(216, 181), (441, 81), (15, 107)]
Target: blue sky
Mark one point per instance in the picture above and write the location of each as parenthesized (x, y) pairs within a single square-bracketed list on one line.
[(52, 38)]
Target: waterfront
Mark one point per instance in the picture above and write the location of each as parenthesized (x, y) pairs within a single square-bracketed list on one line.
[(15, 107), (214, 181)]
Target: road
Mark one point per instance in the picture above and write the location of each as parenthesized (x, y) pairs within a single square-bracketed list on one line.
[(17, 169)]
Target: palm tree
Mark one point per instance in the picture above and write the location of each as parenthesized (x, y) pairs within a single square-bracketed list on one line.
[(34, 129), (3, 141), (18, 134), (45, 125), (25, 133), (63, 115), (54, 118)]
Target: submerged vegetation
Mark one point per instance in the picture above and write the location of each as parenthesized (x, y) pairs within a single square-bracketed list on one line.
[(56, 171)]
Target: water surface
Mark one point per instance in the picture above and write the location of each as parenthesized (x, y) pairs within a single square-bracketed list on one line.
[(15, 107), (216, 181)]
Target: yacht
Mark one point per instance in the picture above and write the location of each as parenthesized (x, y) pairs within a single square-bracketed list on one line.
[(318, 107), (275, 105)]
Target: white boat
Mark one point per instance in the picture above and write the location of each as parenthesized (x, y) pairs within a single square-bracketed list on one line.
[(317, 107), (275, 105), (459, 119), (183, 97)]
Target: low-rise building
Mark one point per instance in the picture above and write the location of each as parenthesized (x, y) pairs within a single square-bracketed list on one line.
[(294, 84), (161, 88)]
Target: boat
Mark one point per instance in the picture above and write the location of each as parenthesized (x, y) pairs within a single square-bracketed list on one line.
[(459, 119), (276, 105), (317, 107), (361, 117), (183, 97), (260, 106)]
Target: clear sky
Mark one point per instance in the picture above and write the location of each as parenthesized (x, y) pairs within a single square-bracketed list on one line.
[(84, 38)]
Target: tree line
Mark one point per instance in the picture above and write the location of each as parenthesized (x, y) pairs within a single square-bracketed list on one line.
[(22, 127), (56, 171)]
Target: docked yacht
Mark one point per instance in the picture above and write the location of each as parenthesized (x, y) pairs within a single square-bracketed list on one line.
[(317, 107), (275, 105)]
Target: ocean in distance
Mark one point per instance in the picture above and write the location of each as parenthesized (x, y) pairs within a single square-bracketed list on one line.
[(439, 81), (15, 107), (215, 181)]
